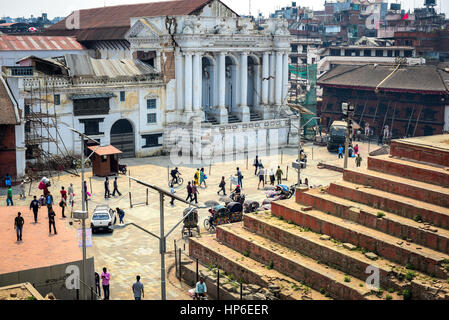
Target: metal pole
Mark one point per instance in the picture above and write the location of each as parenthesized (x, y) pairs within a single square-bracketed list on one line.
[(348, 120), (162, 247), (197, 274), (218, 284), (241, 290), (176, 258), (83, 198), (299, 151)]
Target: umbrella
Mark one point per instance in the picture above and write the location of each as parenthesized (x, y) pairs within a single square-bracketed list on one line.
[(211, 203), (284, 187), (32, 29)]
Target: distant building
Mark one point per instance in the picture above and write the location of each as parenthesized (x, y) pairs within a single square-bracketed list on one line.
[(411, 100)]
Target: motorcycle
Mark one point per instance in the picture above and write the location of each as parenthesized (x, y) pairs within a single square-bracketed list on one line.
[(281, 192), (123, 168)]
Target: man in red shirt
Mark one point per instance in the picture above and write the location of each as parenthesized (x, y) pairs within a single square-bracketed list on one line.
[(63, 202)]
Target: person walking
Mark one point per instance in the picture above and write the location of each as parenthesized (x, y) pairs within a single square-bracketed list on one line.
[(340, 152), (71, 194), (358, 161), (18, 225), (51, 220), (86, 193), (9, 198), (63, 202), (137, 288), (105, 279), (107, 192), (172, 192), (261, 177), (35, 205), (356, 149), (22, 190), (116, 188), (222, 186), (196, 177), (97, 284), (203, 178), (121, 214), (49, 201), (195, 192), (189, 192), (239, 178), (256, 165), (272, 178)]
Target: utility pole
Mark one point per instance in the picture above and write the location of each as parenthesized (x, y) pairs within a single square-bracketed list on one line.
[(348, 110)]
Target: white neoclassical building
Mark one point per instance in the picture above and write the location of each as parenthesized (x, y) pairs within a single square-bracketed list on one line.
[(220, 69)]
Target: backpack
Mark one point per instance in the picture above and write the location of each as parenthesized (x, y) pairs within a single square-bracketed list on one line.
[(195, 176), (49, 199)]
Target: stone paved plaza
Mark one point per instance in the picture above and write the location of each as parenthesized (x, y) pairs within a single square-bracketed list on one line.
[(130, 251)]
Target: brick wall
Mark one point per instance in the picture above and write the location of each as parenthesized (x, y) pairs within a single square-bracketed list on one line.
[(7, 152), (168, 68), (419, 153)]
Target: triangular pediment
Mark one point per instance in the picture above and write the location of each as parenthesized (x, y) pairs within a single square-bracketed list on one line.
[(144, 29)]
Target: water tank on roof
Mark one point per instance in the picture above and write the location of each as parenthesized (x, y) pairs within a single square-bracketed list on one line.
[(430, 3)]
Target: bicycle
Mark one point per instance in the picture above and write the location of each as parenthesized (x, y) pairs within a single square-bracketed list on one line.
[(178, 184)]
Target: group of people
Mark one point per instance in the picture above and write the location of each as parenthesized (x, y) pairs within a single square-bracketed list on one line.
[(353, 152), (261, 172), (105, 278), (107, 192)]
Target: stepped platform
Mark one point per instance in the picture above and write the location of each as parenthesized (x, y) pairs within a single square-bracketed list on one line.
[(386, 222), (421, 191), (399, 205), (421, 258), (432, 149), (392, 216), (211, 252), (291, 263), (419, 171)]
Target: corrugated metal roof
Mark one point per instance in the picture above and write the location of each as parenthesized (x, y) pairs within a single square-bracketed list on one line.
[(38, 43), (80, 65), (111, 23)]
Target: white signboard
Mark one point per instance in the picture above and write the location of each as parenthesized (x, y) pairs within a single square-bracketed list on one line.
[(88, 238)]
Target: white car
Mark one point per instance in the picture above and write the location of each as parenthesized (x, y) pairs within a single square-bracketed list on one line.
[(103, 218)]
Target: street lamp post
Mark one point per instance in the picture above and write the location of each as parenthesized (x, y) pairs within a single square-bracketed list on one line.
[(348, 110), (83, 215)]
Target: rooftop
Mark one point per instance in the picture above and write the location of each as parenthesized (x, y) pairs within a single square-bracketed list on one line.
[(38, 43), (38, 249), (112, 23), (105, 151), (420, 78)]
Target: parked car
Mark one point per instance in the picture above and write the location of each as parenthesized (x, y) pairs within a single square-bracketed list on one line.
[(103, 218)]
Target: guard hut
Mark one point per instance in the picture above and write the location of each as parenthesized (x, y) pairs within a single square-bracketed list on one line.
[(105, 161)]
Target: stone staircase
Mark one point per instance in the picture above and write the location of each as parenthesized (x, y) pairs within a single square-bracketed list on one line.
[(254, 116), (211, 119), (393, 216), (233, 119)]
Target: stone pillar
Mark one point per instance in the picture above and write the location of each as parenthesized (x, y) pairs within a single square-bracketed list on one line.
[(243, 109), (221, 113), (265, 75), (257, 85), (279, 66), (197, 81), (179, 74), (188, 103), (243, 79), (285, 76), (271, 81)]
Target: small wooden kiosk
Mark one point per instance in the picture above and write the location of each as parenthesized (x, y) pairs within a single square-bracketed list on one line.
[(105, 161)]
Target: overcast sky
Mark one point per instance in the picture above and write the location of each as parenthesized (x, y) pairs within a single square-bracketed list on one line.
[(63, 8)]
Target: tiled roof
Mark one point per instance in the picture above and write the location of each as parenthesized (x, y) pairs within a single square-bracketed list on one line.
[(105, 151), (423, 78), (38, 43), (111, 23)]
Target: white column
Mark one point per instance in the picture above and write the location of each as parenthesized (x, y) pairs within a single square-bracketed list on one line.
[(285, 74), (179, 74), (221, 80), (257, 85), (215, 83), (188, 83), (197, 81), (271, 81), (243, 79), (279, 66), (265, 75)]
